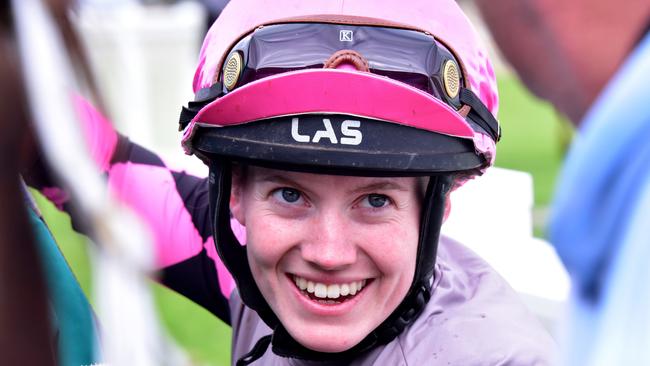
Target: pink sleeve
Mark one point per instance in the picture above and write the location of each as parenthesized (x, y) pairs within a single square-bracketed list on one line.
[(155, 192)]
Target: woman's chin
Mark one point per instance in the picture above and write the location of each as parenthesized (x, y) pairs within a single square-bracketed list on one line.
[(328, 343), (328, 347)]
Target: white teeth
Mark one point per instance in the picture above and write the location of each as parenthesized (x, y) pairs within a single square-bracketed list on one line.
[(320, 290), (353, 288), (301, 283), (333, 291), (345, 289)]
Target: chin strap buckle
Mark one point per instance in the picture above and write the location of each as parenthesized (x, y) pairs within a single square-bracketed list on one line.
[(419, 302), (258, 351)]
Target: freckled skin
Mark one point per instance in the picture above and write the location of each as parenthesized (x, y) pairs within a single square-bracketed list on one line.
[(334, 234)]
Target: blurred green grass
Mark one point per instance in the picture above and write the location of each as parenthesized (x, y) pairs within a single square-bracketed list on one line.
[(533, 141), (534, 137)]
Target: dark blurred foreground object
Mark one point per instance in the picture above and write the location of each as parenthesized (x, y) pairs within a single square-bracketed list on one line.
[(566, 51), (24, 323), (45, 318)]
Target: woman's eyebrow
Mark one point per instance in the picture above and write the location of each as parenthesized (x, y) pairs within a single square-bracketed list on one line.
[(380, 186), (384, 185), (279, 179), (273, 178)]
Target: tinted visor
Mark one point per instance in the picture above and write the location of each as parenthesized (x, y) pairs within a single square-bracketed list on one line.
[(412, 57)]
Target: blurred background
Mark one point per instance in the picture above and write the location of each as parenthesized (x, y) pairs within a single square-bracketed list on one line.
[(143, 54)]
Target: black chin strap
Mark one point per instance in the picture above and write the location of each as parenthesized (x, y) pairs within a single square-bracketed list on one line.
[(233, 255)]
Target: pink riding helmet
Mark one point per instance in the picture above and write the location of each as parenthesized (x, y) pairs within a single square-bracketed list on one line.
[(442, 19)]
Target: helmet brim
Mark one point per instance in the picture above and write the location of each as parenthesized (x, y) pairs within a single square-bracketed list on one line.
[(336, 121), (384, 148)]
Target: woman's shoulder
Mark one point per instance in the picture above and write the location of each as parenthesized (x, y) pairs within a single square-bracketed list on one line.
[(474, 318)]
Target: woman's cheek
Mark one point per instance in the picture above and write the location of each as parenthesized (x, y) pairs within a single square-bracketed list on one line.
[(269, 238), (392, 245)]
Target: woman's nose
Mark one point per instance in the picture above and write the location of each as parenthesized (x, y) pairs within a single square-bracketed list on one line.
[(329, 244)]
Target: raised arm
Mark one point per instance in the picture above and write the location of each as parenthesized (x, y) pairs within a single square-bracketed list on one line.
[(172, 203)]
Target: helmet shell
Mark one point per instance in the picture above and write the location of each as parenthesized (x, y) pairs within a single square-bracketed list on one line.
[(441, 18)]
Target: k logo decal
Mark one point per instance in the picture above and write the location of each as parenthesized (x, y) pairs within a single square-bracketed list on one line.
[(346, 35)]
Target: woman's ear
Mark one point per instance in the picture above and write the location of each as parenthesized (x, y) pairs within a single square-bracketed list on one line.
[(236, 193)]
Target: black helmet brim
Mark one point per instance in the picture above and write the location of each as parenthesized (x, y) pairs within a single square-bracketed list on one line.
[(339, 144)]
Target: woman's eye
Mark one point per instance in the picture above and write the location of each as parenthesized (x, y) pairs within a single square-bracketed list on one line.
[(288, 195), (376, 200)]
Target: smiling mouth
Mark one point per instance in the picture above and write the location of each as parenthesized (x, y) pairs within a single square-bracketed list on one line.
[(328, 294)]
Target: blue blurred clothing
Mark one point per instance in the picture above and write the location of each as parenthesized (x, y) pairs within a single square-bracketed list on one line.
[(600, 224), (73, 320)]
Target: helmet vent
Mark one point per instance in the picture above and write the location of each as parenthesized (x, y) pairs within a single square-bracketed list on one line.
[(232, 71), (451, 78)]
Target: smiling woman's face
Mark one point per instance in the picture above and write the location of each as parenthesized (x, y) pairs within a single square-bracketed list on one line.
[(332, 255)]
